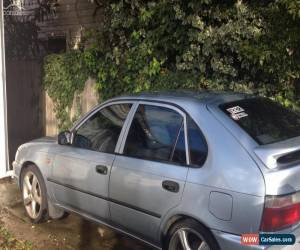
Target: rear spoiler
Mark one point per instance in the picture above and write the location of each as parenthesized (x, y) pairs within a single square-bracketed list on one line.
[(281, 154)]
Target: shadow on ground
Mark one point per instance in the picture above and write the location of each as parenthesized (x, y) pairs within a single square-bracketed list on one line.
[(70, 233)]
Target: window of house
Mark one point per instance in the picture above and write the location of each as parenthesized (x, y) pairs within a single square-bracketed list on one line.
[(57, 45), (154, 133), (102, 130)]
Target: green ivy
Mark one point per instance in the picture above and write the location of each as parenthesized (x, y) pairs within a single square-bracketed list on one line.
[(248, 46), (64, 75)]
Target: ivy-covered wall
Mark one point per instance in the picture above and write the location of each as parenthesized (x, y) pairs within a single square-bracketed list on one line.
[(249, 46), (83, 102)]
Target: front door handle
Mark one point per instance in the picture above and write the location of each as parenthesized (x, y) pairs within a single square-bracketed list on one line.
[(101, 169), (171, 186)]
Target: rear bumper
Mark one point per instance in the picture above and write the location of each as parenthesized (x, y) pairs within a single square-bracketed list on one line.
[(230, 241)]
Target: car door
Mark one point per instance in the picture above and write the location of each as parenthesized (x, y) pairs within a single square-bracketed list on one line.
[(149, 173), (80, 173)]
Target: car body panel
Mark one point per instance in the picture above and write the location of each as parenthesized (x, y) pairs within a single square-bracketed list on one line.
[(83, 188), (138, 184), (269, 154), (134, 201), (228, 165), (246, 210), (145, 179), (278, 181), (232, 241), (75, 188), (41, 151)]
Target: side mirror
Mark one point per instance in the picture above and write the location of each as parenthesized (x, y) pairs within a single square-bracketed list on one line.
[(64, 138)]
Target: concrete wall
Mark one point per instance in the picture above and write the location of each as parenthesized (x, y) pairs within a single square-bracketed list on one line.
[(82, 103)]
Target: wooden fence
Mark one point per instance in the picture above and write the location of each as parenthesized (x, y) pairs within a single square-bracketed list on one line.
[(25, 103), (30, 111)]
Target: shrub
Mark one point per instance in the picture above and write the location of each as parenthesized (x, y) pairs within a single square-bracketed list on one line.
[(249, 46)]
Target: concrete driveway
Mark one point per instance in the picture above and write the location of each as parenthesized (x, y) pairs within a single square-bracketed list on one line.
[(70, 233)]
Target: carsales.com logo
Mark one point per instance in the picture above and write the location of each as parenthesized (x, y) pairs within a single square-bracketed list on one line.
[(268, 239)]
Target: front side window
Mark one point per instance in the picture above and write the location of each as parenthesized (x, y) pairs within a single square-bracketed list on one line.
[(264, 120), (102, 130), (155, 134)]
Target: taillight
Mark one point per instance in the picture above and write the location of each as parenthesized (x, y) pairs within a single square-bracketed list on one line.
[(280, 212)]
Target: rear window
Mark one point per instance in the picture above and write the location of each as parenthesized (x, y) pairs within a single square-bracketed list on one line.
[(264, 120)]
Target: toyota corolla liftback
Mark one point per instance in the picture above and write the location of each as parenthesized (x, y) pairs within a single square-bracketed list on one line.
[(175, 170)]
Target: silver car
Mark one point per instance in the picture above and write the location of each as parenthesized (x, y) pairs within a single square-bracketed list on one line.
[(175, 170)]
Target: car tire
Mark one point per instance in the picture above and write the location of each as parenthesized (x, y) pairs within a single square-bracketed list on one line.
[(189, 232), (64, 216), (34, 194)]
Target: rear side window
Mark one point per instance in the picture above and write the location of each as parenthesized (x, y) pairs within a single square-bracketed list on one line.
[(197, 144), (155, 134), (264, 120)]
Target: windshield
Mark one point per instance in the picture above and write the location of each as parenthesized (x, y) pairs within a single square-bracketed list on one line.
[(264, 120)]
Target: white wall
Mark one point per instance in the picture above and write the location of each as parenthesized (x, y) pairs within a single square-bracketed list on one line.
[(3, 131)]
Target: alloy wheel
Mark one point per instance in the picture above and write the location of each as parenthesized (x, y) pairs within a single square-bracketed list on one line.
[(188, 239), (32, 195)]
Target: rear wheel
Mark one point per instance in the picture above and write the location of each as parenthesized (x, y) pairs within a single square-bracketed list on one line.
[(34, 194), (190, 235)]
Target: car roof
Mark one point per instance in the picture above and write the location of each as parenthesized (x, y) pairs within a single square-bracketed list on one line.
[(182, 97)]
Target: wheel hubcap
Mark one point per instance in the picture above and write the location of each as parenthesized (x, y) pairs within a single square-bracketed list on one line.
[(32, 195), (188, 239)]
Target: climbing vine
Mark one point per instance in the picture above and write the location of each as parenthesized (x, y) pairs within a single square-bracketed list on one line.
[(62, 81), (248, 46)]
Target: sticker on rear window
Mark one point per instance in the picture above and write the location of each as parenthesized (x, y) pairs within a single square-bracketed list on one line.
[(237, 113)]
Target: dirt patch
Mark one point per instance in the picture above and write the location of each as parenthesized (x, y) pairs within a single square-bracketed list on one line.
[(9, 241), (70, 233)]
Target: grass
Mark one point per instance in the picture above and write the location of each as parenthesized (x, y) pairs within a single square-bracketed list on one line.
[(8, 241)]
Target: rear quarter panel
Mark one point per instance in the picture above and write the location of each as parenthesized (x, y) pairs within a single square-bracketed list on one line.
[(229, 169)]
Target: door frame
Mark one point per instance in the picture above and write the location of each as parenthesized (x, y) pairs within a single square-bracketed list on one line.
[(120, 150), (4, 165)]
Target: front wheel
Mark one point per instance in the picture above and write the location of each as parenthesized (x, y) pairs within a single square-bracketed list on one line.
[(34, 194), (190, 235)]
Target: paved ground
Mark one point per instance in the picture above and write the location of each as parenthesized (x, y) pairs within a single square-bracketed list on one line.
[(70, 233)]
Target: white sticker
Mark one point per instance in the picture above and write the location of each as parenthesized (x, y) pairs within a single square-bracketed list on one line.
[(239, 116), (237, 113), (235, 110)]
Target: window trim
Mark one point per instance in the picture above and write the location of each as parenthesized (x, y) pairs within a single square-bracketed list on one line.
[(125, 129), (98, 109), (176, 142), (204, 140), (157, 104), (124, 132)]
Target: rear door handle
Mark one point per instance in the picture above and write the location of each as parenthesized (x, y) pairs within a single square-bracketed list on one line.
[(171, 186), (101, 169)]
